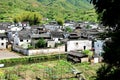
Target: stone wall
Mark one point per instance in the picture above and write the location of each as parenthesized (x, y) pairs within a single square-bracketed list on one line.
[(60, 49)]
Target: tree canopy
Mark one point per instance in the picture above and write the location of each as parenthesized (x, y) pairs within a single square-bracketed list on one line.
[(32, 17), (109, 15), (60, 21), (108, 11), (41, 43)]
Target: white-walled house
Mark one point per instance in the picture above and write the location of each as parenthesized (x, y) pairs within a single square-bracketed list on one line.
[(3, 41), (22, 39), (57, 36), (16, 28), (73, 45), (98, 46), (52, 27), (51, 43), (2, 29)]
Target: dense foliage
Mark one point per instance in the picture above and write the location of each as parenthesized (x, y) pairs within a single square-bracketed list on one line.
[(50, 70), (33, 18), (41, 43), (68, 29), (52, 9), (31, 59), (109, 16)]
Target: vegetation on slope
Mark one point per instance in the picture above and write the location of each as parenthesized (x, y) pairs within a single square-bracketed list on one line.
[(52, 9), (50, 70)]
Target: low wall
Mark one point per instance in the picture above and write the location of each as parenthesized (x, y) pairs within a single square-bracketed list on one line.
[(60, 49), (20, 50), (30, 59)]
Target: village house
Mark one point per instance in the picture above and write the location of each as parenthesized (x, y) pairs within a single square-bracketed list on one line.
[(70, 24), (3, 41), (22, 34), (76, 56), (98, 47), (52, 26), (73, 36), (57, 36), (51, 43), (93, 34), (35, 38), (38, 29), (22, 38), (11, 35), (2, 29), (5, 24), (80, 44)]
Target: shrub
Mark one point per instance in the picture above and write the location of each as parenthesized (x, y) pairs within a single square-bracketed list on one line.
[(31, 59)]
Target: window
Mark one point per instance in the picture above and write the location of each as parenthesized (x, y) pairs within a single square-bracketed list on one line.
[(76, 43), (2, 38), (84, 47), (27, 40), (21, 40), (2, 44), (98, 45)]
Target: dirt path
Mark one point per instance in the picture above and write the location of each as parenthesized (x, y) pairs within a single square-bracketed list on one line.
[(5, 54)]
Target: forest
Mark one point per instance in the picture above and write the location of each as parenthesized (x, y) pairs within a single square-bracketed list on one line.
[(52, 9)]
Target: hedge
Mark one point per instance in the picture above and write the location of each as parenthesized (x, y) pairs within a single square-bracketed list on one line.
[(31, 59)]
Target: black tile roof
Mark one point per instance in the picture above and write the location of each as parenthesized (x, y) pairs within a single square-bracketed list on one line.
[(3, 35), (24, 34), (77, 54), (56, 34)]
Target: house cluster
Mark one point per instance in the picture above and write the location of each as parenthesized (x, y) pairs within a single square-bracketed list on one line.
[(84, 35)]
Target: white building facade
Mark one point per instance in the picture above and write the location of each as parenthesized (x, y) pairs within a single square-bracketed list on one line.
[(3, 41), (78, 45)]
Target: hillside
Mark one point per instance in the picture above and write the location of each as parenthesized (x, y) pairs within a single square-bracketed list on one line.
[(66, 9)]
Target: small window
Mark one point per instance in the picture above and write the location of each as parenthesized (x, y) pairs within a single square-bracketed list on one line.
[(84, 47), (21, 40), (98, 45), (27, 40), (2, 38), (76, 43), (2, 44)]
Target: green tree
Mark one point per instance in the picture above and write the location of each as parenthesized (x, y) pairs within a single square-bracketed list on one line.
[(68, 29), (88, 52), (108, 15), (33, 18), (41, 43), (60, 21)]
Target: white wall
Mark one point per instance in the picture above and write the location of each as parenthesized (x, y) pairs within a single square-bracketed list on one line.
[(24, 42), (2, 31), (51, 44), (79, 45), (57, 50), (18, 42), (3, 43), (47, 51), (16, 29)]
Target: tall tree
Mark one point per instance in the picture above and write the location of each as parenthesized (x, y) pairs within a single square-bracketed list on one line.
[(60, 21), (109, 15), (32, 17), (41, 43)]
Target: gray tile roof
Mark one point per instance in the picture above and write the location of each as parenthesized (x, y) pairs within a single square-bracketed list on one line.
[(44, 35), (77, 54), (24, 34), (3, 27), (56, 34), (3, 35)]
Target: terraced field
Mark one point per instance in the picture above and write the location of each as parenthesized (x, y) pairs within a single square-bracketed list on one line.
[(50, 70)]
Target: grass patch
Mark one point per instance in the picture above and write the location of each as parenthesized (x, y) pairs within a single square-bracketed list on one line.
[(50, 70)]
